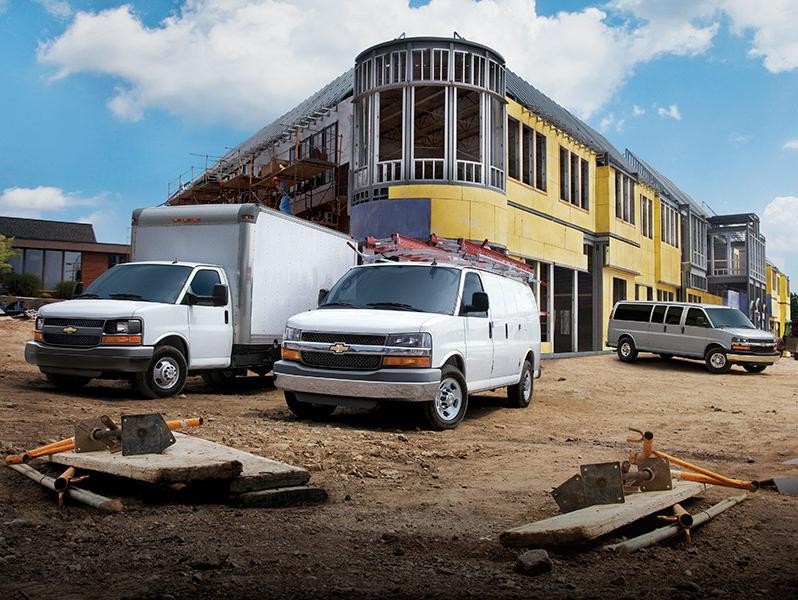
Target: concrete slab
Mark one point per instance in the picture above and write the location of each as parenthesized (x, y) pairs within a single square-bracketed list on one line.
[(586, 524)]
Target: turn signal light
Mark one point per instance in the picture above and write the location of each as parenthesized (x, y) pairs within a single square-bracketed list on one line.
[(122, 339), (406, 361), (288, 354), (38, 336), (740, 347)]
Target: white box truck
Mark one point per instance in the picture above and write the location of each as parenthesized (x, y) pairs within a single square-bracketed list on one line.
[(208, 292)]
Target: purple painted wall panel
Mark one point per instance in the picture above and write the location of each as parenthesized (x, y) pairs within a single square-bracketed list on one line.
[(381, 218)]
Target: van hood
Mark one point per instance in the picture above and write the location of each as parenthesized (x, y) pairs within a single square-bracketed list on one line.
[(344, 320), (95, 309), (755, 335)]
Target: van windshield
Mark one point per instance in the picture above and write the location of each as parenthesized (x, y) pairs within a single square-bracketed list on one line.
[(729, 318), (400, 287), (148, 283)]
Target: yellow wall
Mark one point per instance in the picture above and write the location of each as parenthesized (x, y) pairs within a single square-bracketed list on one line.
[(778, 288), (706, 297)]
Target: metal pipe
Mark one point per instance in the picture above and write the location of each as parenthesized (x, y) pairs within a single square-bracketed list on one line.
[(751, 486), (84, 496), (663, 533), (61, 482)]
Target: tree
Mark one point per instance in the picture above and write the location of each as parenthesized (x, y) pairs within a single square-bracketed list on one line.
[(794, 306), (6, 252)]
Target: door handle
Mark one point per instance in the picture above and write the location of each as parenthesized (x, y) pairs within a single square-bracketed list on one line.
[(682, 328), (507, 331), (490, 329)]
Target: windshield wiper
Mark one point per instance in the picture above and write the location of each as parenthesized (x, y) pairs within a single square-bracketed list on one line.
[(125, 296), (393, 306), (338, 305), (87, 296)]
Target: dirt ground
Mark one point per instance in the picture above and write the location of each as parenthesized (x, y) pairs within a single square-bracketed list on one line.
[(411, 513)]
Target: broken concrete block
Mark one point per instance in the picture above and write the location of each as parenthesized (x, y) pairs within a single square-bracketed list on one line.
[(534, 562)]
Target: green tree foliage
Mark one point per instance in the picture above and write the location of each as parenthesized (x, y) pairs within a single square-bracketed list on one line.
[(23, 284), (794, 306), (65, 290), (6, 252)]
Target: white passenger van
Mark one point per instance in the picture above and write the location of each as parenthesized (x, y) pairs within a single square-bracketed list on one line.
[(425, 332)]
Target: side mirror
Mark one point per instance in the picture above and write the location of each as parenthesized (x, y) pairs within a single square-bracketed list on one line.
[(323, 295), (479, 302), (219, 295)]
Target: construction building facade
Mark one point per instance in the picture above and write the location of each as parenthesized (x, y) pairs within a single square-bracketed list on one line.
[(436, 136)]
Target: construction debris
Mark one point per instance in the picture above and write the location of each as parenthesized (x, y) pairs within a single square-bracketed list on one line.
[(84, 496), (663, 533), (534, 562)]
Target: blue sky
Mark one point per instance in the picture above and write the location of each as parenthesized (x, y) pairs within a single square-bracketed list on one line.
[(103, 105)]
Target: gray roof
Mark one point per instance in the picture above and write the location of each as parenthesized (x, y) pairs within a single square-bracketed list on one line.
[(539, 103), (54, 231), (665, 186)]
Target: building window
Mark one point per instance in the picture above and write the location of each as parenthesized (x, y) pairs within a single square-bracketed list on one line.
[(665, 296), (574, 179), (618, 290), (669, 225), (624, 198), (698, 241), (53, 268), (531, 162), (496, 143), (694, 298), (647, 216), (513, 157), (469, 136), (429, 132)]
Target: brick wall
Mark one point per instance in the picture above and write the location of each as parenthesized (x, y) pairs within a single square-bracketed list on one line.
[(94, 265)]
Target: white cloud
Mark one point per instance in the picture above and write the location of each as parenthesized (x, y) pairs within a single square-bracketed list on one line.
[(246, 61), (41, 202), (671, 112), (791, 144), (774, 26), (739, 139), (56, 8), (780, 224), (4, 6), (638, 111), (611, 122)]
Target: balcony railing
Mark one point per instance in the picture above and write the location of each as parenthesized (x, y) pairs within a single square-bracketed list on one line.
[(727, 268), (389, 170)]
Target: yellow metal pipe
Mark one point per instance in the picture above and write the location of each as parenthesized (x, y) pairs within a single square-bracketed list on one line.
[(728, 481)]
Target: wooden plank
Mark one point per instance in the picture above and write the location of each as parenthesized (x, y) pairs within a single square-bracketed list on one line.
[(279, 497), (589, 523)]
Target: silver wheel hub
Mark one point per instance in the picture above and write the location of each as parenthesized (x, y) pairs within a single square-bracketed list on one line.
[(718, 360), (527, 385), (449, 401), (626, 349), (165, 373)]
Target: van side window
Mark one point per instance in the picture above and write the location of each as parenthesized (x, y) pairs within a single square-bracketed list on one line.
[(203, 282), (632, 312), (471, 284), (696, 318), (674, 315), (658, 315)]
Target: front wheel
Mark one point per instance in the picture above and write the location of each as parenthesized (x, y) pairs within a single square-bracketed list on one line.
[(754, 368), (520, 394), (717, 361), (68, 383), (165, 375), (626, 350), (451, 401), (308, 410)]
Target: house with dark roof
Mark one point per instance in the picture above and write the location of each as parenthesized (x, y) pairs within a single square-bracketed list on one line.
[(436, 135), (58, 251)]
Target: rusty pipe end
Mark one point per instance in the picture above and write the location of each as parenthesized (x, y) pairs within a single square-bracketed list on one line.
[(648, 435), (686, 520), (61, 484)]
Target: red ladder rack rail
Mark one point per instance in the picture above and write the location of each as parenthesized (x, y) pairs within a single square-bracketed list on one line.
[(458, 251)]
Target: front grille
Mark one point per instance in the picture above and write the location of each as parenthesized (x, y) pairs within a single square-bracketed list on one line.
[(74, 322), (343, 338), (327, 360), (762, 349), (65, 339)]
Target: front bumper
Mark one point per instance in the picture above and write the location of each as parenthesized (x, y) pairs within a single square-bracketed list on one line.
[(88, 361), (418, 385), (753, 359)]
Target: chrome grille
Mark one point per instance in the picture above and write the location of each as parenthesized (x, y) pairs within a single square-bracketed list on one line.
[(66, 339), (351, 360), (343, 338), (74, 322)]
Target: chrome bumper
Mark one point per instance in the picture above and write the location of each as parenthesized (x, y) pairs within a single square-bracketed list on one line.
[(91, 362), (759, 359), (417, 385)]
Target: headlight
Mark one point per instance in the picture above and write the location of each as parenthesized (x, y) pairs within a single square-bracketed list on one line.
[(39, 323), (739, 340), (123, 327), (409, 340), (292, 334)]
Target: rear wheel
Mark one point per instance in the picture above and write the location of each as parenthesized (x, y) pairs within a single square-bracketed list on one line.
[(451, 401), (626, 350), (308, 410), (520, 394), (754, 368), (665, 356), (219, 379), (68, 383), (717, 361), (165, 375)]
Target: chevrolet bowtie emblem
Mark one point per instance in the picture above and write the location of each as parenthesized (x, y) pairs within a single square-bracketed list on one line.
[(339, 348), (70, 329)]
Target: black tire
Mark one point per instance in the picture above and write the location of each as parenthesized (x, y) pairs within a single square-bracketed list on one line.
[(68, 383), (665, 356), (717, 361), (450, 403), (165, 375), (520, 394), (221, 380), (308, 410), (626, 349), (755, 368)]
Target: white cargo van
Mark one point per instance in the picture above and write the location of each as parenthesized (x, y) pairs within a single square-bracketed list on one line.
[(424, 332), (209, 292)]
